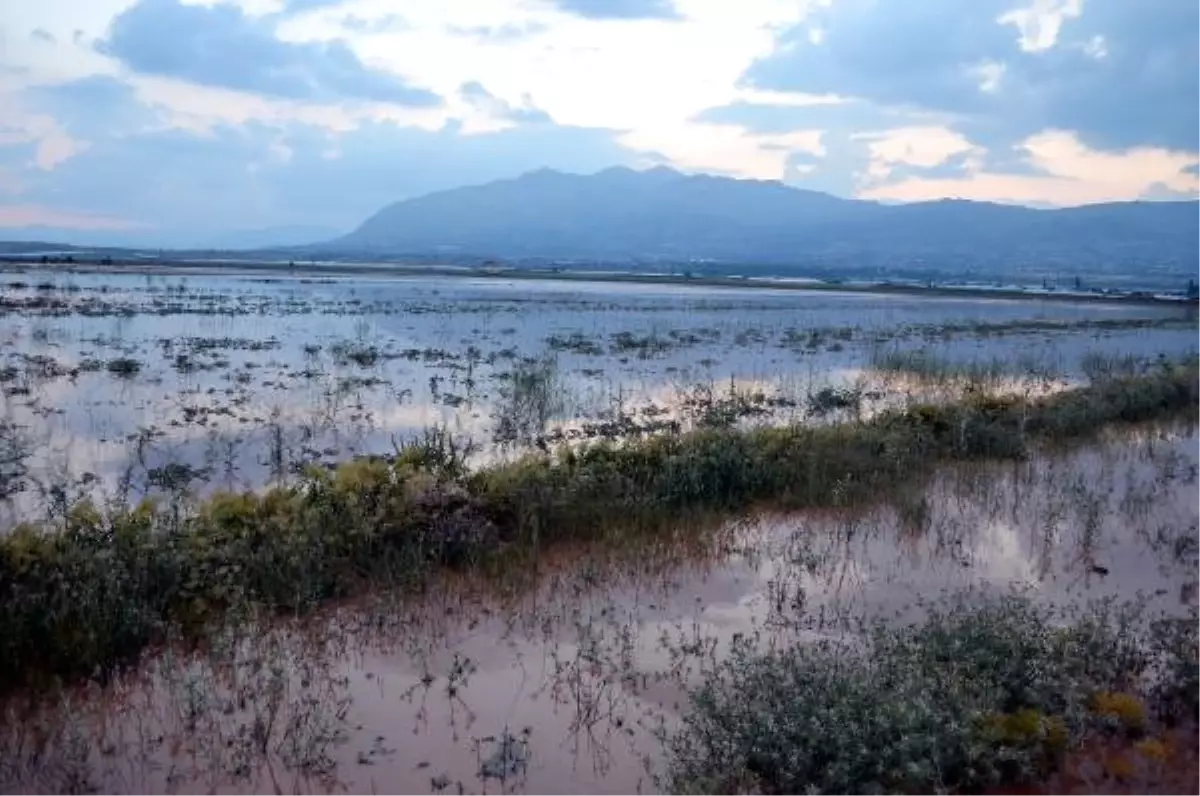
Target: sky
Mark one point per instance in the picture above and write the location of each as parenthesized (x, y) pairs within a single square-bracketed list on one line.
[(179, 119)]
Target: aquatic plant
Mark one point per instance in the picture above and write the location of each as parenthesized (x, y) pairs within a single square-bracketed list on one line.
[(530, 397), (124, 367)]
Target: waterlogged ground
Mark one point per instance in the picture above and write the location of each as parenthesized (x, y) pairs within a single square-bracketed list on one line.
[(115, 385), (567, 685)]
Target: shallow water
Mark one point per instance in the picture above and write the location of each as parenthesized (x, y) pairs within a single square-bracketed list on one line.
[(563, 687), (240, 378)]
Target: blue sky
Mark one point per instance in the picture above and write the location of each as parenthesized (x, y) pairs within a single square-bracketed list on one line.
[(178, 119)]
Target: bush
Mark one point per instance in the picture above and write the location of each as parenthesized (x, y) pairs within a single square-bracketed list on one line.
[(983, 693)]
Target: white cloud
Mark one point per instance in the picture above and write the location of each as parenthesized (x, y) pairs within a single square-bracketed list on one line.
[(990, 75), (1038, 24), (725, 148), (923, 147), (52, 144), (200, 108), (1070, 174), (643, 78), (647, 78), (1096, 47), (786, 99)]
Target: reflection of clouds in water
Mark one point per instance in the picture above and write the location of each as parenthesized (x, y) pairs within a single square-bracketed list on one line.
[(1001, 555)]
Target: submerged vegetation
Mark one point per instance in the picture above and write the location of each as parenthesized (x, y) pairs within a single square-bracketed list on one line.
[(95, 589)]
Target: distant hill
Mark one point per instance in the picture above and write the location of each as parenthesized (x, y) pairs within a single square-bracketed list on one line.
[(267, 238), (660, 214)]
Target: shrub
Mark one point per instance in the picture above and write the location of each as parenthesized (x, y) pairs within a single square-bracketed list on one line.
[(983, 693)]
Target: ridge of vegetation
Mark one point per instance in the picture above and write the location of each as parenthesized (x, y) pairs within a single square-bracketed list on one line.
[(91, 593)]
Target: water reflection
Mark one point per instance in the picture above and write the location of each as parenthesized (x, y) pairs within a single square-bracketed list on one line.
[(106, 377)]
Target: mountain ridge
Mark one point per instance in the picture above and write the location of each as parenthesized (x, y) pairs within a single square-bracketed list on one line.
[(621, 213)]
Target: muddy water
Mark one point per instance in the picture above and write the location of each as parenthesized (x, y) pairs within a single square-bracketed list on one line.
[(566, 686), (240, 377)]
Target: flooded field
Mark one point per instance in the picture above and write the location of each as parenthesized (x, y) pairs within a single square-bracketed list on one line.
[(571, 681), (476, 535), (118, 385)]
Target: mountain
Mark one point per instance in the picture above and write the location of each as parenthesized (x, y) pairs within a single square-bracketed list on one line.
[(660, 214), (616, 213)]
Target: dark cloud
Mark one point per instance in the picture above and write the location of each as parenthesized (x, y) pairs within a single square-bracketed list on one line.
[(1144, 91), (887, 51), (620, 9), (220, 46), (92, 106), (43, 35)]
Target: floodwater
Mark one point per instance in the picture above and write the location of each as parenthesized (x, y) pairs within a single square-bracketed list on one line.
[(115, 385), (566, 686)]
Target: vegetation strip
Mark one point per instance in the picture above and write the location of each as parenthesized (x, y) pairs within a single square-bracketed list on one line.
[(99, 588)]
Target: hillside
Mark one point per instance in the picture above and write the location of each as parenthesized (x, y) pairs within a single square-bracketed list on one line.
[(660, 214)]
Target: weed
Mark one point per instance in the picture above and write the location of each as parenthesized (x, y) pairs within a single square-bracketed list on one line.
[(355, 352), (530, 398), (124, 367)]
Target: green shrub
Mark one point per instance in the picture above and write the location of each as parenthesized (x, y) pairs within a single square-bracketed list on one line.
[(983, 693)]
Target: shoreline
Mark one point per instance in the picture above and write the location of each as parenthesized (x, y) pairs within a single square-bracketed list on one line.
[(281, 270)]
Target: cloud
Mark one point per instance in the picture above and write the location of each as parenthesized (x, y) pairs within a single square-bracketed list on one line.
[(620, 9), (1121, 74), (1063, 171), (1039, 24), (309, 5), (17, 216), (238, 108), (922, 147), (725, 148), (497, 113), (37, 139), (221, 46), (92, 106), (188, 184)]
